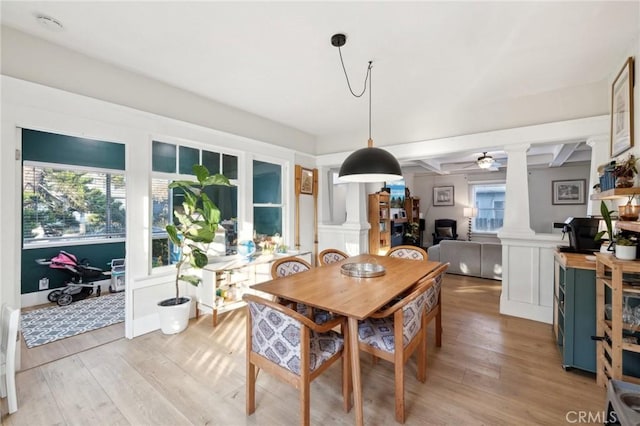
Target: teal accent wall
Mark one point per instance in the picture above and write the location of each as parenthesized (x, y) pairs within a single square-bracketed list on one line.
[(98, 255), (61, 149)]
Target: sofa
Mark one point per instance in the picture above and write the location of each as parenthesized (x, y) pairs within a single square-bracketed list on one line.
[(472, 258)]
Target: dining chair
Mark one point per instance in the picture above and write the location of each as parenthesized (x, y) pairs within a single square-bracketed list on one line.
[(10, 321), (290, 346), (331, 255), (408, 252), (294, 265), (433, 308), (404, 322)]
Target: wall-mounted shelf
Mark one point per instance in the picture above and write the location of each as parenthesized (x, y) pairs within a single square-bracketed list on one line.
[(628, 226), (615, 193)]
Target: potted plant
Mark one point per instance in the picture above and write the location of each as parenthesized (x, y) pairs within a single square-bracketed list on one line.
[(412, 233), (625, 249), (625, 172), (198, 220), (629, 211), (606, 217)]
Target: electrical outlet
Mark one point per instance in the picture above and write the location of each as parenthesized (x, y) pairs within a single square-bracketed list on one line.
[(43, 284)]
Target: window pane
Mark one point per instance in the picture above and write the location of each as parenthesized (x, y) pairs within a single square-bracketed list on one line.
[(188, 157), (230, 166), (226, 199), (163, 157), (160, 208), (267, 183), (211, 160), (60, 204), (267, 221), (489, 200)]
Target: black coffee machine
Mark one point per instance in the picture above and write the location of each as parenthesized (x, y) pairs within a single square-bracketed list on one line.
[(582, 232)]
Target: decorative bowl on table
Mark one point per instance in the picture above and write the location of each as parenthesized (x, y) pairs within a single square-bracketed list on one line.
[(246, 248), (362, 270)]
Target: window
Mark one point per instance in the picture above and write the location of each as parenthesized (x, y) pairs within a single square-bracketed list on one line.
[(172, 162), (489, 200), (267, 202), (64, 204)]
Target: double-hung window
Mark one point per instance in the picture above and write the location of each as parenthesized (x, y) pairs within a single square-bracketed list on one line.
[(174, 162), (267, 202), (489, 200)]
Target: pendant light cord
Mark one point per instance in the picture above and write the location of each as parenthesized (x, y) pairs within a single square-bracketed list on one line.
[(366, 78)]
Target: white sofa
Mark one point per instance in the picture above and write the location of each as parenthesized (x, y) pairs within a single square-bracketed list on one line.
[(469, 258)]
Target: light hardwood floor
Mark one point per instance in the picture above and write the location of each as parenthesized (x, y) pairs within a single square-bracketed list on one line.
[(491, 370)]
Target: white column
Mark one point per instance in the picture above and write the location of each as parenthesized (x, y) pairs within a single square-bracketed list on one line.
[(599, 156), (516, 209)]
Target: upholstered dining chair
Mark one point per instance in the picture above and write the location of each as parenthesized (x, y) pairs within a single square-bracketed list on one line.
[(292, 347), (294, 265), (9, 330), (331, 255), (403, 322), (408, 252), (433, 308)]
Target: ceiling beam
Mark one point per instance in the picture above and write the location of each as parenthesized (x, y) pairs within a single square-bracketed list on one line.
[(562, 153), (432, 166)]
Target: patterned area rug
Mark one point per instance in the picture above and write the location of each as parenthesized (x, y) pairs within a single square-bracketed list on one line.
[(53, 323)]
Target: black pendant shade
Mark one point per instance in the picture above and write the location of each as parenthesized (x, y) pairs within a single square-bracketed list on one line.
[(370, 165), (367, 164)]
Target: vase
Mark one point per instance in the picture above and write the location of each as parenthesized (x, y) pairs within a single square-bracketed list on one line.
[(174, 318), (629, 212), (626, 252), (624, 181)]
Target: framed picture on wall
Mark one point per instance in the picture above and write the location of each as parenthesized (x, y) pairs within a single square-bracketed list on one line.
[(568, 191), (306, 181), (622, 110), (443, 196)]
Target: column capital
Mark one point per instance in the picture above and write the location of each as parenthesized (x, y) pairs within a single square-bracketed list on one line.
[(597, 140), (520, 147)]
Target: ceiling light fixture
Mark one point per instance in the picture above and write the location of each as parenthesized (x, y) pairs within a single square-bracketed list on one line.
[(366, 164), (485, 161), (49, 23)]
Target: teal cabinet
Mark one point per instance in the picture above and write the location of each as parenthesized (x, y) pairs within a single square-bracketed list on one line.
[(575, 315)]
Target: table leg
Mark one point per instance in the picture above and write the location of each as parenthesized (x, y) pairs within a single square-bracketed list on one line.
[(355, 370)]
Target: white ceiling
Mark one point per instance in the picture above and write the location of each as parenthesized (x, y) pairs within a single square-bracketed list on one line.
[(440, 68)]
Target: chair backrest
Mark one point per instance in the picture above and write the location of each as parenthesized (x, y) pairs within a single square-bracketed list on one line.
[(9, 336), (408, 252), (331, 255), (434, 283), (288, 266), (446, 228)]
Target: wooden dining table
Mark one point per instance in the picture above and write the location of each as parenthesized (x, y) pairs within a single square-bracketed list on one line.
[(326, 287)]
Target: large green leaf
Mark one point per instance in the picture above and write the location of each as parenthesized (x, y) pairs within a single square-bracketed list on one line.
[(191, 279), (201, 172), (217, 179), (173, 234), (198, 259)]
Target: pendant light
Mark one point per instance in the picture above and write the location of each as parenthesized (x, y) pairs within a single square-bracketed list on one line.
[(368, 164)]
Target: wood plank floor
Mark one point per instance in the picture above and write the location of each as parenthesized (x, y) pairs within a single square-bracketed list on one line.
[(490, 370)]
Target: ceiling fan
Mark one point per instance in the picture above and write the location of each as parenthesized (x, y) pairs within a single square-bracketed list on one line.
[(485, 161)]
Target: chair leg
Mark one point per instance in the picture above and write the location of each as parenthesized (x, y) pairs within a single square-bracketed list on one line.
[(399, 379), (439, 323), (305, 416), (422, 358), (251, 387)]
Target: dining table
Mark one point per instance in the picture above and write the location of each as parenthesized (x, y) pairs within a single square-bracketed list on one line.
[(330, 288)]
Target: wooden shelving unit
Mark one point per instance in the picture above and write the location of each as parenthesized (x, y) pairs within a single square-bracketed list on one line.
[(616, 193), (412, 207), (380, 221), (611, 348)]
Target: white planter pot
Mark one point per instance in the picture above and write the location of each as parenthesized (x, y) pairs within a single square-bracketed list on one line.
[(174, 318), (626, 252)]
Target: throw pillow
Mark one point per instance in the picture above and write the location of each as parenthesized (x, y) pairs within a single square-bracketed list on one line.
[(445, 232)]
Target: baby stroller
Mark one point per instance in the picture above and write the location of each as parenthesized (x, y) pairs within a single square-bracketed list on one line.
[(80, 286)]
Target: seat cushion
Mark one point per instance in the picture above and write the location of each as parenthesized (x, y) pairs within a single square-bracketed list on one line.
[(444, 232)]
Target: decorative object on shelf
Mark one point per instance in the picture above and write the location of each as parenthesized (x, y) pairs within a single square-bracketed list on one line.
[(198, 219), (568, 191), (247, 248), (470, 213), (443, 196), (606, 176), (600, 236), (625, 172), (625, 249), (629, 211), (366, 164), (622, 110)]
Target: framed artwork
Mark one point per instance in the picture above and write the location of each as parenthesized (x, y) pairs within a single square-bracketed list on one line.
[(443, 196), (622, 110), (568, 191), (306, 181)]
